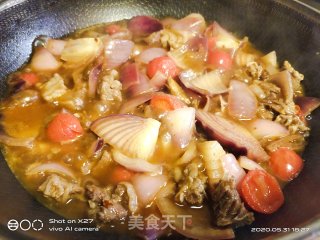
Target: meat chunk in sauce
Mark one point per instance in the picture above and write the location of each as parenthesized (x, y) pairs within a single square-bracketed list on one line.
[(192, 187), (228, 209), (110, 203), (59, 188)]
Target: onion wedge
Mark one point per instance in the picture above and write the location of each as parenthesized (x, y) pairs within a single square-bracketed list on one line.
[(193, 23), (232, 168), (16, 142), (242, 103), (93, 80), (55, 46), (133, 135), (283, 80), (37, 168), (261, 128), (118, 52), (130, 105), (137, 165), (307, 104), (270, 62), (249, 164), (223, 39), (208, 84), (43, 61), (180, 123), (151, 53), (142, 26), (232, 135), (212, 153), (148, 186)]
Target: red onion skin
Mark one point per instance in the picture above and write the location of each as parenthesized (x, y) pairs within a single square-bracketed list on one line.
[(231, 135), (143, 86), (307, 104), (129, 75), (141, 26), (135, 82), (96, 146)]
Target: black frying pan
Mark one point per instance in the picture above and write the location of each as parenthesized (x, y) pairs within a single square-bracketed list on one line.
[(287, 26)]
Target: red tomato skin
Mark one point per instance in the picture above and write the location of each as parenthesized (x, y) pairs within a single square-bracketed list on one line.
[(29, 78), (165, 102), (286, 164), (261, 192), (219, 58), (121, 174), (64, 127), (163, 64)]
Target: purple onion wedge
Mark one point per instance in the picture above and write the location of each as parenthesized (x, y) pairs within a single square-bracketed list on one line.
[(284, 82), (141, 26), (118, 52), (307, 104), (132, 135), (231, 135), (210, 83), (93, 80)]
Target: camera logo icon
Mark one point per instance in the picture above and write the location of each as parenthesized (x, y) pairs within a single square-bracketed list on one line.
[(25, 225), (13, 225)]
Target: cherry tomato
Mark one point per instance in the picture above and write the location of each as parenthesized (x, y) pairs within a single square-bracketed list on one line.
[(64, 127), (261, 192), (219, 58), (121, 174), (29, 78), (165, 102), (163, 64), (285, 163)]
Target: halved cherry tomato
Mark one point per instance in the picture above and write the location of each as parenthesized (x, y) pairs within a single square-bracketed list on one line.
[(29, 78), (121, 174), (219, 58), (261, 192), (285, 163), (163, 64), (64, 127), (165, 102)]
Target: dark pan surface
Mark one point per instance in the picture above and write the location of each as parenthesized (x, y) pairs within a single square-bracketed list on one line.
[(286, 26)]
